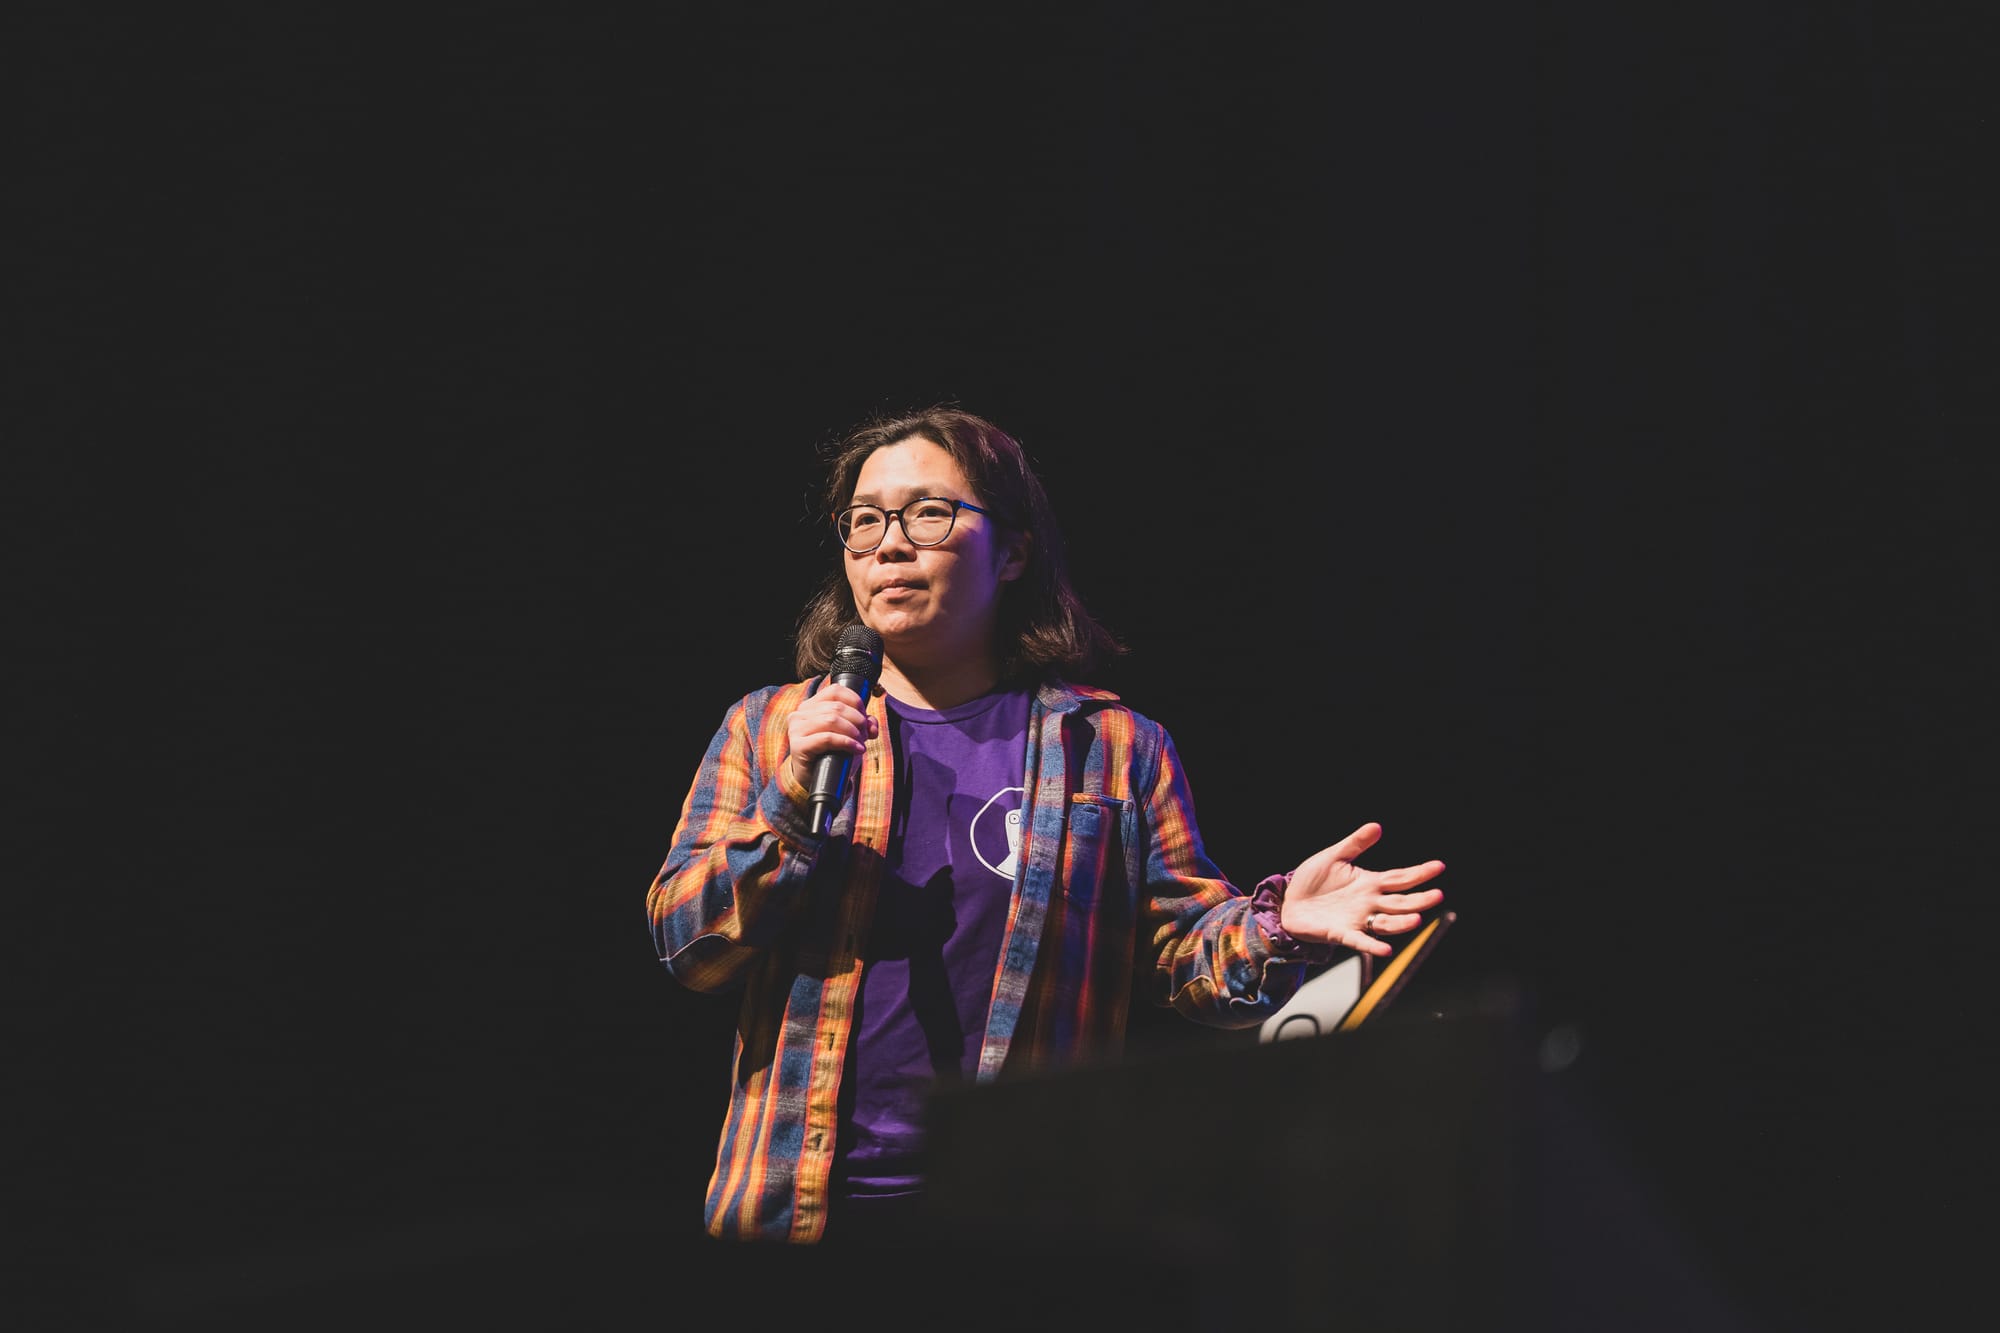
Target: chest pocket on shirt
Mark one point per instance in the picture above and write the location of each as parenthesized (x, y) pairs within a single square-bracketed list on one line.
[(1094, 861)]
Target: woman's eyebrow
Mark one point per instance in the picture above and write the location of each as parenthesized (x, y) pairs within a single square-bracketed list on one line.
[(907, 494)]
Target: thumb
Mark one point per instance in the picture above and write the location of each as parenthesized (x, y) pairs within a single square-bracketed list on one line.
[(1358, 841)]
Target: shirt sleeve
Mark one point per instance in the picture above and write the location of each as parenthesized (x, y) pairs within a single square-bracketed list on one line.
[(1221, 961), (1266, 905), (741, 858)]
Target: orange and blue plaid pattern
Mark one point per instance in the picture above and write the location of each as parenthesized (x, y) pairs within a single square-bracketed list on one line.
[(1113, 877)]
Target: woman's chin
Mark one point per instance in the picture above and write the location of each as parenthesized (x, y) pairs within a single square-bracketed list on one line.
[(893, 622)]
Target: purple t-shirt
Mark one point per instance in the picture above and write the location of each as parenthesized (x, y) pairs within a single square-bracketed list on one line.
[(932, 950)]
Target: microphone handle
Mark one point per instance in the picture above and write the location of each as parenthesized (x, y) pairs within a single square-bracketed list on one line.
[(830, 773)]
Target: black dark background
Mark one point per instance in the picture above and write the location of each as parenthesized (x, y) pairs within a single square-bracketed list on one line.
[(1563, 435)]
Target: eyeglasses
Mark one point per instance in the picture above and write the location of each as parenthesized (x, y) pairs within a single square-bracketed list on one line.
[(927, 520)]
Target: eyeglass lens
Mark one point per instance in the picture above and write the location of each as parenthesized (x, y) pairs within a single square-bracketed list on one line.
[(925, 523)]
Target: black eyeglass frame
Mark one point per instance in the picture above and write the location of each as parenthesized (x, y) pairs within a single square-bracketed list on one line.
[(896, 515)]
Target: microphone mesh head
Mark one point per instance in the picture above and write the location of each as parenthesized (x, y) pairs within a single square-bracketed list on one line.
[(859, 650)]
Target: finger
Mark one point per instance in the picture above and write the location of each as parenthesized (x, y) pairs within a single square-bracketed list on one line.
[(1404, 877), (831, 710), (1409, 902), (1361, 942), (1393, 923), (836, 715), (843, 732), (848, 723), (833, 732), (1358, 841), (839, 694)]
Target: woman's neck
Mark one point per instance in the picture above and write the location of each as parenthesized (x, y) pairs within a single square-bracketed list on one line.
[(942, 685)]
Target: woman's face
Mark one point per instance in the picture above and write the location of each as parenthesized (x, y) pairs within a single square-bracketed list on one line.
[(937, 603)]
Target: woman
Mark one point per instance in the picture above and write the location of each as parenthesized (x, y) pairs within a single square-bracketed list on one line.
[(1014, 857)]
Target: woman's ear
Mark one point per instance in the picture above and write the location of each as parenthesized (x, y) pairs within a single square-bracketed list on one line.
[(1015, 561)]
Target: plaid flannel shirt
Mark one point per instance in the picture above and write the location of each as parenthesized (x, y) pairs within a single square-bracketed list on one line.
[(1112, 875)]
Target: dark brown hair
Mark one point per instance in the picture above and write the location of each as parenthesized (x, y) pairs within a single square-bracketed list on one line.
[(1043, 628)]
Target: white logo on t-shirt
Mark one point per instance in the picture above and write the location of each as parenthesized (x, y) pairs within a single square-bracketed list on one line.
[(1005, 869)]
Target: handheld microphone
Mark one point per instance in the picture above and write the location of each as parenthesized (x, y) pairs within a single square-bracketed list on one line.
[(857, 664)]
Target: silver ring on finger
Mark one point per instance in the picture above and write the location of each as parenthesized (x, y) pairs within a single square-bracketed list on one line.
[(1368, 923)]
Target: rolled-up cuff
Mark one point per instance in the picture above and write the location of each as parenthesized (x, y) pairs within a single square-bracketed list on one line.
[(1266, 905)]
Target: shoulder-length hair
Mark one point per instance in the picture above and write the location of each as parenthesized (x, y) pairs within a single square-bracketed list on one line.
[(1043, 629)]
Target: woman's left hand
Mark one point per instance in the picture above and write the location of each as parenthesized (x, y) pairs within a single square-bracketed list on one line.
[(1332, 900)]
